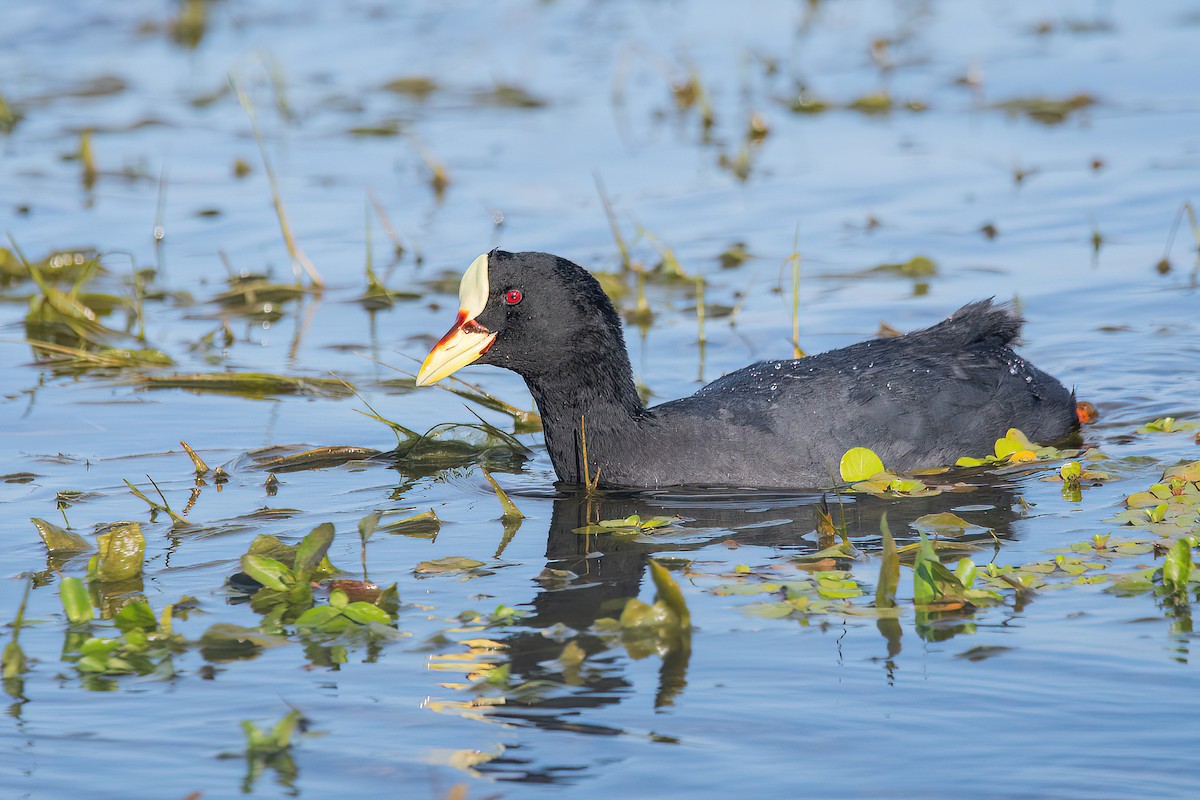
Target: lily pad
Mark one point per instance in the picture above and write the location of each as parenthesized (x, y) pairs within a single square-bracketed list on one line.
[(1184, 472), (727, 589), (859, 464), (631, 524), (947, 525), (769, 610)]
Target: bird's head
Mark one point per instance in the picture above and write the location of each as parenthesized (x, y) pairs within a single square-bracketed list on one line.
[(528, 312)]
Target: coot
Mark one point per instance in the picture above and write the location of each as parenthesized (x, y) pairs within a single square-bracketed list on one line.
[(919, 400)]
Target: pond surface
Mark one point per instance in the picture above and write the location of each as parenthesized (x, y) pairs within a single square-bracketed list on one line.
[(1038, 153)]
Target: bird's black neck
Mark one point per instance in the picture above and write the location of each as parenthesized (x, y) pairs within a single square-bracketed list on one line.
[(592, 394)]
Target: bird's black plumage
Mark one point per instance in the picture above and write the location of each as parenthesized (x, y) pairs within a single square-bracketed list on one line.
[(918, 400)]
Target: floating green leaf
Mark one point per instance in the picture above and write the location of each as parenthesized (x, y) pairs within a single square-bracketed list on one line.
[(915, 267), (970, 461), (837, 588), (875, 103), (637, 614), (12, 661), (367, 525), (889, 568), (859, 464), (507, 95), (425, 524), (1177, 568), (269, 572), (273, 548), (769, 610), (448, 564), (1168, 425), (932, 582), (418, 86), (363, 613), (136, 615), (103, 357), (1184, 472), (1131, 585), (669, 593), (901, 485), (121, 550), (311, 551), (1006, 447), (252, 384), (631, 524), (226, 642), (1047, 110), (947, 525), (966, 572), (727, 589), (75, 601), (316, 458), (60, 540), (278, 738), (1013, 442), (341, 614)]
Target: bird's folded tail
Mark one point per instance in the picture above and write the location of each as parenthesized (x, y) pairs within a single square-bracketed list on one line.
[(980, 323)]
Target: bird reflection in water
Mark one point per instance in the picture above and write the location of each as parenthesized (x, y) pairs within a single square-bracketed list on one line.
[(590, 577)]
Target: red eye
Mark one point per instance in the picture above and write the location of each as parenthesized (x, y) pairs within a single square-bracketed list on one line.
[(513, 296)]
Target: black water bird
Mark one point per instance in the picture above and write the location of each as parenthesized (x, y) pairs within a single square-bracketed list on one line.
[(918, 400)]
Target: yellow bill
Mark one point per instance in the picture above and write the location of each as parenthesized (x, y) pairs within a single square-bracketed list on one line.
[(467, 340)]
